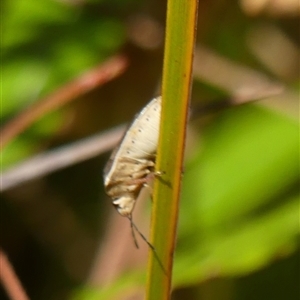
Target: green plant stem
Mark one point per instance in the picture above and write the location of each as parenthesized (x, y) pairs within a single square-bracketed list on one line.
[(177, 75)]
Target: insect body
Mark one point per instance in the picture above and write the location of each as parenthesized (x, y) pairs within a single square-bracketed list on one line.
[(133, 160)]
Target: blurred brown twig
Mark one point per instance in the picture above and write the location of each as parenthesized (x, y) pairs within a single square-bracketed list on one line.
[(69, 92), (50, 161), (10, 280)]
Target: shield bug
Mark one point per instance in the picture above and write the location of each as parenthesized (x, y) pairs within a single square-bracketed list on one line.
[(132, 162)]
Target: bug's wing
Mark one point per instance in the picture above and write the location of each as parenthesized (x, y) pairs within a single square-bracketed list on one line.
[(141, 138)]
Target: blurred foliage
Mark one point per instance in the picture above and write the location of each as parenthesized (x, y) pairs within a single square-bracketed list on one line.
[(239, 214), (49, 42), (45, 44), (238, 190)]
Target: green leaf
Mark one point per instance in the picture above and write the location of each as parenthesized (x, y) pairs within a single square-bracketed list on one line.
[(249, 156), (239, 209), (250, 246)]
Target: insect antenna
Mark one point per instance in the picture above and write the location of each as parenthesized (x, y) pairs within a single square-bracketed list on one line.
[(134, 227)]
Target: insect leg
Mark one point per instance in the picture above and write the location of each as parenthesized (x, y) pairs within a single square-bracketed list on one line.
[(150, 177), (133, 226)]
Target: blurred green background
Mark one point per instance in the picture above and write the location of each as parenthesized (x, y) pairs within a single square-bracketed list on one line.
[(238, 235)]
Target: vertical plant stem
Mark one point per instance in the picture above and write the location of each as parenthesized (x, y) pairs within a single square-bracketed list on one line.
[(178, 59)]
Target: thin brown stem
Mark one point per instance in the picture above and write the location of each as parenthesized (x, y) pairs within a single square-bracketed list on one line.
[(62, 157), (71, 91), (10, 281)]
